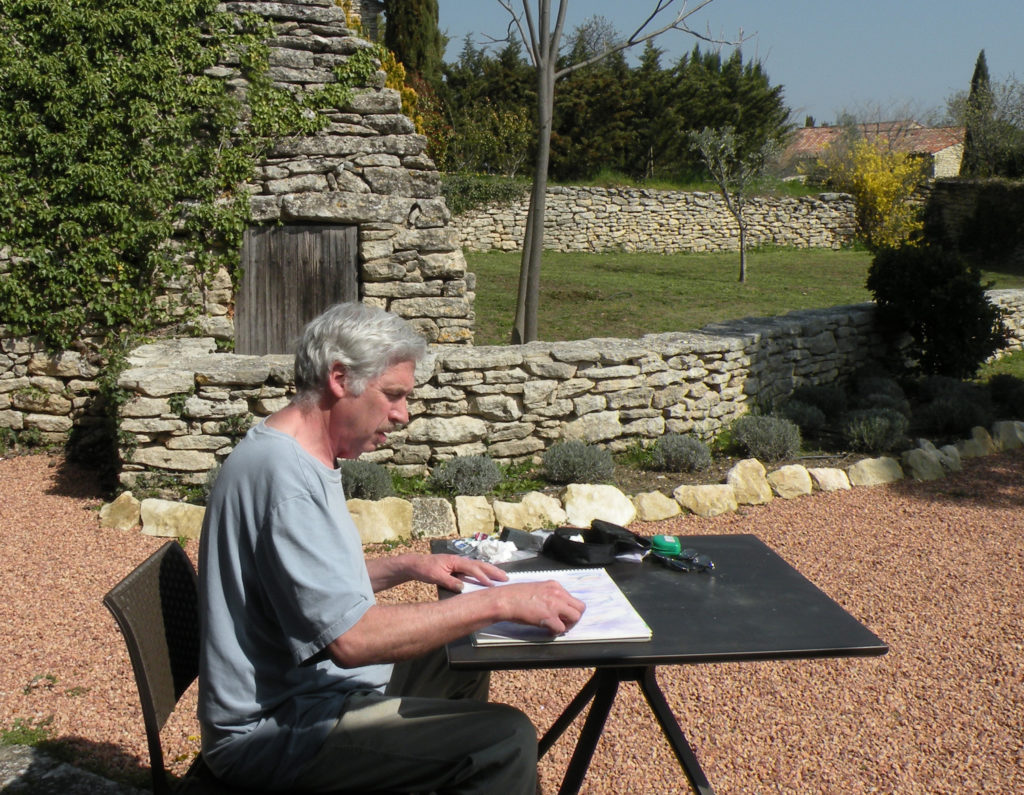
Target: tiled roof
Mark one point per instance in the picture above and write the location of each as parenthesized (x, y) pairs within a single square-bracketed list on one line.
[(904, 136)]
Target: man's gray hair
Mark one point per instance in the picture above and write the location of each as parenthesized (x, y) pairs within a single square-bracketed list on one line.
[(364, 339)]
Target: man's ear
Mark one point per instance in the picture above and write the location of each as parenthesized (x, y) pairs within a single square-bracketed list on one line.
[(337, 381)]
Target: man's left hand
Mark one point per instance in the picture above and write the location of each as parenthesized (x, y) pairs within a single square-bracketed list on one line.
[(446, 570)]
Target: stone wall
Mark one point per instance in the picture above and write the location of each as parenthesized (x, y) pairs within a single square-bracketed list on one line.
[(511, 402), (188, 404), (630, 219)]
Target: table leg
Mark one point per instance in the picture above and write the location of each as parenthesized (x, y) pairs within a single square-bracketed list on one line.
[(602, 688), (676, 738), (568, 716), (606, 686)]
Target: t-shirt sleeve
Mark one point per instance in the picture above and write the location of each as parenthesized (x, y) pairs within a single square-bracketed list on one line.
[(313, 574)]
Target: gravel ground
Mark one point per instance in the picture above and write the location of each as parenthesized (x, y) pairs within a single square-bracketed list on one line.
[(935, 569)]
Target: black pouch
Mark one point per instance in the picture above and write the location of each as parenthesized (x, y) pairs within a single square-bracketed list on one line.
[(599, 547)]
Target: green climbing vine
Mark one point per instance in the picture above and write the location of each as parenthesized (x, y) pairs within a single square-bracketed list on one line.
[(123, 152)]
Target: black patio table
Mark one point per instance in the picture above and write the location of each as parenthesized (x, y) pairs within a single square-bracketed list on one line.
[(752, 606)]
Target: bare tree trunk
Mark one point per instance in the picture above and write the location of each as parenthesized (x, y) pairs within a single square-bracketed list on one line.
[(528, 298), (743, 249), (542, 42)]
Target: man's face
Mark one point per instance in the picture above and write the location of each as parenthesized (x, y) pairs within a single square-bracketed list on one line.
[(360, 423)]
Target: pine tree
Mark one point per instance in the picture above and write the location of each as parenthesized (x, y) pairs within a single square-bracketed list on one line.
[(979, 116), (412, 34)]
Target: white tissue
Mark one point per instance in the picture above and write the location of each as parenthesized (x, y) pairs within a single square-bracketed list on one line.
[(494, 550)]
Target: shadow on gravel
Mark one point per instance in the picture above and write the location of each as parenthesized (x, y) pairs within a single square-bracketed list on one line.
[(998, 476), (49, 769), (74, 480)]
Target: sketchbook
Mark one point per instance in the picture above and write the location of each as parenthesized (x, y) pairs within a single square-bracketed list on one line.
[(609, 615)]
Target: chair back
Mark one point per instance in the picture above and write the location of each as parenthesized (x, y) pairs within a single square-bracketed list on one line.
[(157, 609)]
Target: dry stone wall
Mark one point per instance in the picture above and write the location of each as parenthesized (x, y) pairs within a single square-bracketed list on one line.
[(188, 404), (629, 219)]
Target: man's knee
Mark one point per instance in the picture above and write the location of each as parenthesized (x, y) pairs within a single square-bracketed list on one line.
[(518, 743)]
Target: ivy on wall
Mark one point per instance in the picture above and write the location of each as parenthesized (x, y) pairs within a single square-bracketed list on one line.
[(123, 152)]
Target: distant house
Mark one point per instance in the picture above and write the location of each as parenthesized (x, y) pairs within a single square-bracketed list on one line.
[(942, 147)]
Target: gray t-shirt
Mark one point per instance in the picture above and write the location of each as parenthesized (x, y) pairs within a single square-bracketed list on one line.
[(281, 575)]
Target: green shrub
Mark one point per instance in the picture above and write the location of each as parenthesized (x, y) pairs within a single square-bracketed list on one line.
[(576, 462), (472, 475), (874, 430), (930, 387), (766, 438), (810, 419), (829, 398), (675, 452), (885, 400), (365, 480), (954, 413), (464, 192), (1007, 392), (936, 298), (867, 385)]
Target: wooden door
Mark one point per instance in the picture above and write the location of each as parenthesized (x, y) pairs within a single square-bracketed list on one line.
[(290, 275)]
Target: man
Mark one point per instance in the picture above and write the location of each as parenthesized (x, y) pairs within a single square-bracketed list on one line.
[(297, 687)]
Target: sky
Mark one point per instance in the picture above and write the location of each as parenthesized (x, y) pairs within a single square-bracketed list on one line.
[(873, 58)]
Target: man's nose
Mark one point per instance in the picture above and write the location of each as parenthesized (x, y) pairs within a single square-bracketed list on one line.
[(400, 413)]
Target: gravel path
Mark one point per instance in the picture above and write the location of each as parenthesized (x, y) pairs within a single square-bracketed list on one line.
[(935, 569)]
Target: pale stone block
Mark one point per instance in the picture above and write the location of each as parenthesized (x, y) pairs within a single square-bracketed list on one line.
[(168, 519), (533, 512), (875, 472), (829, 478), (596, 427), (181, 460), (473, 515), (653, 506), (584, 503), (980, 444), (707, 501), (749, 482), (123, 513), (791, 481), (1008, 434), (432, 517), (389, 519), (923, 464)]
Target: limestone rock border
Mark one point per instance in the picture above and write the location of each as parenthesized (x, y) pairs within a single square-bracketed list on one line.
[(395, 519)]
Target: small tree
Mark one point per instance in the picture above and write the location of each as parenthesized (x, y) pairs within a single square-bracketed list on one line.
[(487, 139), (881, 182), (541, 31), (734, 173)]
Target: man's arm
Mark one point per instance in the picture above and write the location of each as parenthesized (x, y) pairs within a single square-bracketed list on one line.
[(390, 633)]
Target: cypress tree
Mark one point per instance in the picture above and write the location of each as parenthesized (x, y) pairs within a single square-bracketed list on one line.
[(411, 33), (979, 116)]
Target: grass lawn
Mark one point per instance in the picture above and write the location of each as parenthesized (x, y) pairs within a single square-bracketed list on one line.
[(631, 294)]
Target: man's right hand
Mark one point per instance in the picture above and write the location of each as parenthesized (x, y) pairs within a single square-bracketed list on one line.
[(541, 604)]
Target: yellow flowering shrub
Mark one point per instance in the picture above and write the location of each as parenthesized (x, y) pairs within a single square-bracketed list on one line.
[(882, 183)]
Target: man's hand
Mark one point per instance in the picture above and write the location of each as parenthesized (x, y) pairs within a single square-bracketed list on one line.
[(441, 570), (541, 604), (445, 571)]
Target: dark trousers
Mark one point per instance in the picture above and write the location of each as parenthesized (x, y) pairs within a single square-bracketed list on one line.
[(432, 731)]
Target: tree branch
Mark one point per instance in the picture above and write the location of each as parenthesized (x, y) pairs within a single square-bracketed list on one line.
[(639, 37)]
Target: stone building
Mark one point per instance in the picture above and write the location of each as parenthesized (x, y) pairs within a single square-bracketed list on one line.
[(356, 206)]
